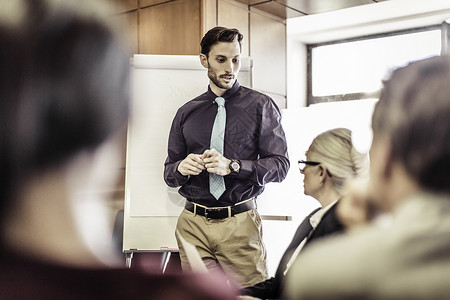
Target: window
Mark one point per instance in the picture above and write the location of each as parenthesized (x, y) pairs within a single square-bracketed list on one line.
[(354, 69)]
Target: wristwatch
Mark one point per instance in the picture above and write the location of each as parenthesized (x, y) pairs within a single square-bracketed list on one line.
[(235, 166)]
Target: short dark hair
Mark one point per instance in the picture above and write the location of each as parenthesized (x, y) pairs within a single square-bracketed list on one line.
[(79, 74), (414, 114), (220, 34), (68, 93)]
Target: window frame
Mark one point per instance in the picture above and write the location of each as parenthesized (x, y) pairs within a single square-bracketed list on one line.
[(310, 99)]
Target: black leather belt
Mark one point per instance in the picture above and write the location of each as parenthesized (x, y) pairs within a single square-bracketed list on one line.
[(220, 212)]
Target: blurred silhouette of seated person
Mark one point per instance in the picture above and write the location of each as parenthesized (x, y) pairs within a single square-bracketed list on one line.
[(331, 161), (408, 257), (64, 91)]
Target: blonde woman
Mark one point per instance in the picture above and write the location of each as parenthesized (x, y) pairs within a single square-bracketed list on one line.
[(331, 162), (409, 257)]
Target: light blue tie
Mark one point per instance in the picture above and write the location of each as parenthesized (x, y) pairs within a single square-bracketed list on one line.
[(216, 182)]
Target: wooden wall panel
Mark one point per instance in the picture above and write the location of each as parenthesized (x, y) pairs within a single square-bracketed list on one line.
[(145, 3), (170, 28), (209, 15), (268, 50), (235, 15), (129, 22), (126, 5)]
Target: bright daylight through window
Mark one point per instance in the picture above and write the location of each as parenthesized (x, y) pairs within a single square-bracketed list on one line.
[(358, 67)]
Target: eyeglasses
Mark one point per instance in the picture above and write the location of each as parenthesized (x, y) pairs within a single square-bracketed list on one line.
[(310, 163)]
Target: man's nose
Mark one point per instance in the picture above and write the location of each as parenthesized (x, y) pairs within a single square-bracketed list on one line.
[(229, 66)]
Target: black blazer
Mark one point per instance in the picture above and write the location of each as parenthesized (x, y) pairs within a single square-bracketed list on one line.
[(271, 288)]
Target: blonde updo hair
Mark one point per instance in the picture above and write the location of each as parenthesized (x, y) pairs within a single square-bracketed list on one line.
[(334, 149)]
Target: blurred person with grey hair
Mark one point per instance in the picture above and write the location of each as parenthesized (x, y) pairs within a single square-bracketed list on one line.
[(64, 102), (409, 257), (331, 162)]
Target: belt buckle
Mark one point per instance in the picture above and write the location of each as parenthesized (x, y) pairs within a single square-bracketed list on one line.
[(212, 211), (206, 213)]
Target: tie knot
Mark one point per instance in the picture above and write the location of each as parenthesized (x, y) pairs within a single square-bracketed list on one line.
[(220, 101)]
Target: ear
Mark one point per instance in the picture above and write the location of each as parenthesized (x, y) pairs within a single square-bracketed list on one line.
[(381, 157), (388, 160), (322, 173), (204, 61)]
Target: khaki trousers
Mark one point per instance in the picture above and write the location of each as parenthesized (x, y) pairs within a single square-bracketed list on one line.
[(233, 244)]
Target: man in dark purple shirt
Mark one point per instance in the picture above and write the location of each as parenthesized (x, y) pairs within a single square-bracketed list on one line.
[(226, 230)]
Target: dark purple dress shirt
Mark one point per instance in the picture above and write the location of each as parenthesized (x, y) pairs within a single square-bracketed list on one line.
[(253, 135)]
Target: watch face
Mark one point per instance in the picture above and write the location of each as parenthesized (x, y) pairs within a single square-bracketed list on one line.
[(234, 166)]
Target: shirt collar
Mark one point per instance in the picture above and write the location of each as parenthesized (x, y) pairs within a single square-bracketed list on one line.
[(230, 92), (317, 217)]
